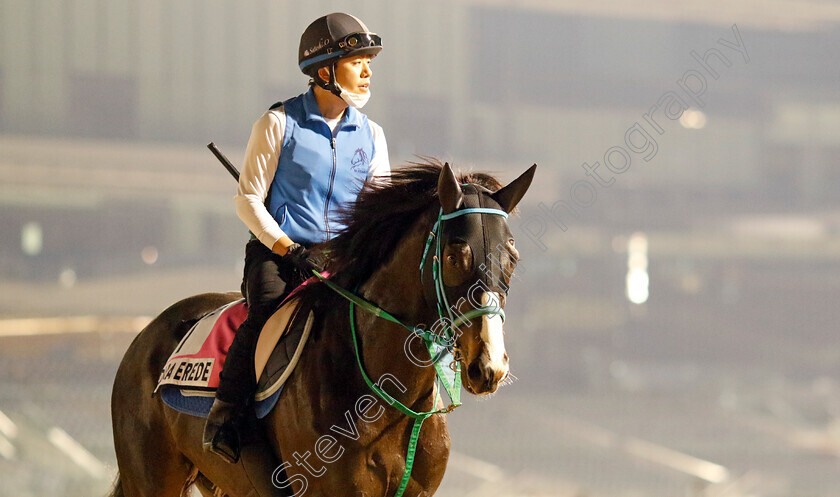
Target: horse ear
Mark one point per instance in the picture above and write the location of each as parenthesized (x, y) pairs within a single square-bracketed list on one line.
[(511, 194), (449, 191)]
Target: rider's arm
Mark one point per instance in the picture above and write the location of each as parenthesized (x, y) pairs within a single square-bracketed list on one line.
[(380, 166), (258, 171)]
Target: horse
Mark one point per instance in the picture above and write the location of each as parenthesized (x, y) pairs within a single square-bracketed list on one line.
[(332, 435)]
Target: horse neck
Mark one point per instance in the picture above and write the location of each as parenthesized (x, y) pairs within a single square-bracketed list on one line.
[(396, 287)]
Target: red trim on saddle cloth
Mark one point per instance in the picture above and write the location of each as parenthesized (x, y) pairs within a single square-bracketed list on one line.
[(200, 368), (221, 336)]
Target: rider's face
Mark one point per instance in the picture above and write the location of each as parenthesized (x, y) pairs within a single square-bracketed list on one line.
[(353, 73)]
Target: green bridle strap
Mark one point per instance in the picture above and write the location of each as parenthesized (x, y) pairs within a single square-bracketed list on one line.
[(418, 417), (382, 313), (376, 388), (452, 388), (465, 317)]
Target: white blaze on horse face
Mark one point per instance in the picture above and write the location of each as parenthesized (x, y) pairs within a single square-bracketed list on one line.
[(492, 332)]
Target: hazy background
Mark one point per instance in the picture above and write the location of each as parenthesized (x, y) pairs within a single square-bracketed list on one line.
[(672, 326)]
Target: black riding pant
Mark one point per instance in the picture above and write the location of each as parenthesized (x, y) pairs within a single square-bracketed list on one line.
[(267, 280)]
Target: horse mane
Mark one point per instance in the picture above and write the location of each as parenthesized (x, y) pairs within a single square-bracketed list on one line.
[(382, 213)]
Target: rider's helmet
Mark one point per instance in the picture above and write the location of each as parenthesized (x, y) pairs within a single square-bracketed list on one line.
[(330, 38)]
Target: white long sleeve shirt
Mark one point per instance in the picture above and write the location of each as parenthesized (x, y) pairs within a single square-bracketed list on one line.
[(260, 165)]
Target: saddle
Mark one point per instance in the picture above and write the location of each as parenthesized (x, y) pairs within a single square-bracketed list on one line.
[(190, 376)]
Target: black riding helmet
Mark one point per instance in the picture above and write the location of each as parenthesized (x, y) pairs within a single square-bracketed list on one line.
[(330, 38)]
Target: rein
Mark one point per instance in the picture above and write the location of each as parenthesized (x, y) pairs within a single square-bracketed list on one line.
[(441, 346)]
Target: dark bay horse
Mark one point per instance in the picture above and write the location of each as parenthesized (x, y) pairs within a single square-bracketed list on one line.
[(334, 436)]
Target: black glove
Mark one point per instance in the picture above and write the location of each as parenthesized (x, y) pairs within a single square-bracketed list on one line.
[(303, 259)]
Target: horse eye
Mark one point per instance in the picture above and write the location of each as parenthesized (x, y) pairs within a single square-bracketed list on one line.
[(458, 262)]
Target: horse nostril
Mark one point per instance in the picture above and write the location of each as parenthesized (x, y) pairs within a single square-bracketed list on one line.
[(506, 358), (474, 372)]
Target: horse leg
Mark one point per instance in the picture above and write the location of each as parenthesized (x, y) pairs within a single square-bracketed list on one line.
[(148, 461), (254, 474), (163, 475)]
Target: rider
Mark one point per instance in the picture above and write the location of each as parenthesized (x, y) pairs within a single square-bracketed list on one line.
[(306, 158)]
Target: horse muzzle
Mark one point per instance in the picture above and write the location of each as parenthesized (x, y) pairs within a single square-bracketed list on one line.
[(491, 365), (483, 377)]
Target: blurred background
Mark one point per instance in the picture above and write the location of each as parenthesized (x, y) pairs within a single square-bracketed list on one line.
[(672, 324)]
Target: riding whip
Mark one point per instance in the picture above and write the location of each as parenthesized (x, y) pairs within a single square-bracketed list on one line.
[(224, 160)]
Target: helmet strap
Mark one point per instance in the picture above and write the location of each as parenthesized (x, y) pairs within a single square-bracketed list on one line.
[(331, 85)]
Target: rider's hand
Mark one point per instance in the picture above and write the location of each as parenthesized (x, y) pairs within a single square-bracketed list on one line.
[(304, 259)]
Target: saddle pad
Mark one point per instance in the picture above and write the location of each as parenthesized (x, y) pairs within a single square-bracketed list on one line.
[(190, 376)]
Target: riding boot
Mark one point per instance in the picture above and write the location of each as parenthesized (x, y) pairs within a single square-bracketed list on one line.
[(221, 434)]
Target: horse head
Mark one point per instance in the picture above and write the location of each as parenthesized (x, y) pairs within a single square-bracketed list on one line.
[(475, 257)]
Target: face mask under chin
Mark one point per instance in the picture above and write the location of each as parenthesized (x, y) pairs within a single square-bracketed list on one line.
[(355, 100)]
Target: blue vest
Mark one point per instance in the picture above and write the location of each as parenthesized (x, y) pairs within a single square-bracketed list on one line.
[(317, 174)]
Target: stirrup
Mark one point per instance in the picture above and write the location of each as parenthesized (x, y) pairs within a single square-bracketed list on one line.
[(221, 433), (225, 443)]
